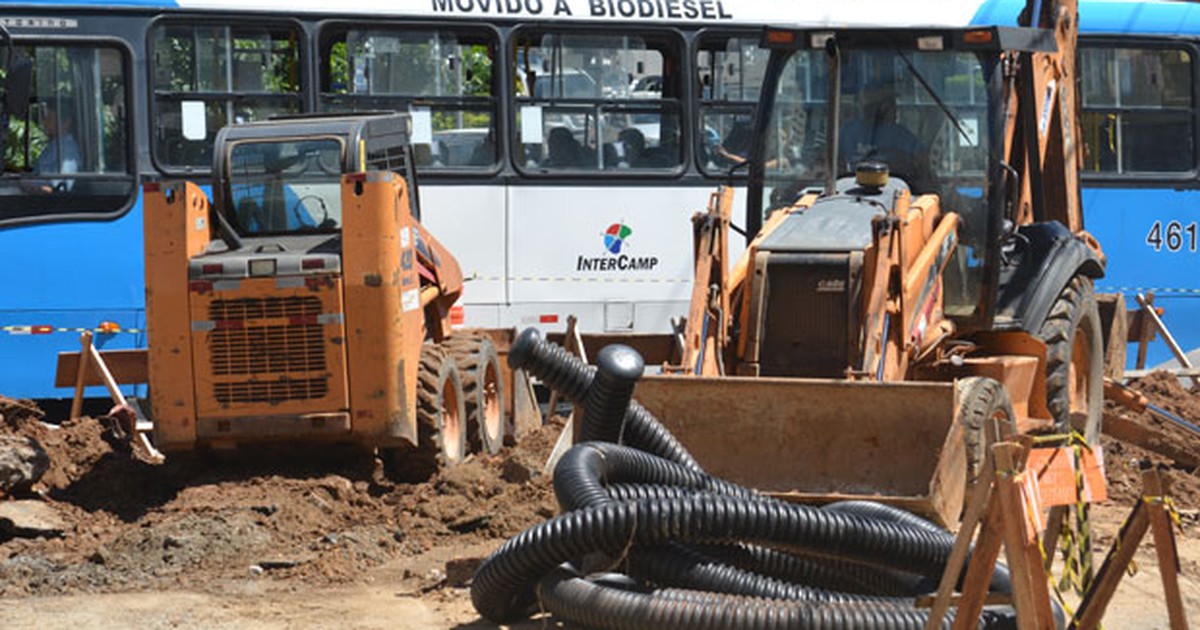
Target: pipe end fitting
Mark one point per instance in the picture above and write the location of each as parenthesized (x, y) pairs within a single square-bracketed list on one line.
[(523, 348), (621, 361)]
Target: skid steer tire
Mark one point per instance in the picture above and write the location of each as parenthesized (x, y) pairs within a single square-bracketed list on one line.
[(986, 413), (441, 421), (483, 391), (1075, 360)]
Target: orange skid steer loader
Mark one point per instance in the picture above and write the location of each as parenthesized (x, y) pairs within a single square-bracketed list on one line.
[(307, 303)]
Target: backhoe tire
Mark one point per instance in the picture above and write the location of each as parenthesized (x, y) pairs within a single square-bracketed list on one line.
[(441, 421), (483, 390), (1075, 360), (986, 413), (1075, 397)]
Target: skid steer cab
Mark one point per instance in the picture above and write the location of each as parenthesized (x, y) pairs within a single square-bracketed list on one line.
[(307, 303), (917, 278)]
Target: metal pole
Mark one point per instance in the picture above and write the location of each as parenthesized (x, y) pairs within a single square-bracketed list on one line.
[(833, 101)]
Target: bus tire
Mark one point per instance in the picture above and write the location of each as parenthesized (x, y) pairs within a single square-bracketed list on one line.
[(441, 421), (483, 390)]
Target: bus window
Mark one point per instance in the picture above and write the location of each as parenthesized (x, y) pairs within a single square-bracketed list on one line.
[(1136, 102), (596, 102), (69, 154), (443, 77), (729, 76), (209, 75)]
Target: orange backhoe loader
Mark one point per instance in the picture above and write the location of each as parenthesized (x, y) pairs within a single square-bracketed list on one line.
[(922, 278), (308, 303)]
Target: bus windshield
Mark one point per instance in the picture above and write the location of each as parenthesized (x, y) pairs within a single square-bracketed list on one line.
[(923, 113), (285, 187)]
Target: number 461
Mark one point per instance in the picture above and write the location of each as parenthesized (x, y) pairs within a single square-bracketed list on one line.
[(1172, 237)]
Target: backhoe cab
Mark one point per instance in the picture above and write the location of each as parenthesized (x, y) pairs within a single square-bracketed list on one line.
[(307, 303), (921, 273)]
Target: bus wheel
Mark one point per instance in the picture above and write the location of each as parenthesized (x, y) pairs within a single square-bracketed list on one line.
[(483, 390), (986, 413), (441, 421), (1075, 397)]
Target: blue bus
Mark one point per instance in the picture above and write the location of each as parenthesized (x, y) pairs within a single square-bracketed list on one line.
[(563, 145)]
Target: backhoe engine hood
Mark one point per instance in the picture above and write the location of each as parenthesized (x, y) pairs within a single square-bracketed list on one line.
[(839, 223)]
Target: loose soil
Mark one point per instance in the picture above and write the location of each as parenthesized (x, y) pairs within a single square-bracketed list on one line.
[(317, 517), (285, 538)]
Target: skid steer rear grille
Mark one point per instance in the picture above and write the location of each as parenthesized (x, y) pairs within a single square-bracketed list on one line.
[(259, 349), (272, 391), (263, 308), (278, 342)]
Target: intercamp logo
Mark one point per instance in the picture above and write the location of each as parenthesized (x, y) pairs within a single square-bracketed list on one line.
[(615, 238)]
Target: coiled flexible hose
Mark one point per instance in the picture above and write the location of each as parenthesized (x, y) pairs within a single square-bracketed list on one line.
[(695, 550)]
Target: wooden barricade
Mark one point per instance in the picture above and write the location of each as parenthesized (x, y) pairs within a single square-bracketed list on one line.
[(1008, 506)]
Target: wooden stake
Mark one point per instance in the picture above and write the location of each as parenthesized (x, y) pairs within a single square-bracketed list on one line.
[(1164, 545), (572, 343), (90, 355), (1030, 591), (983, 563), (977, 504), (85, 341)]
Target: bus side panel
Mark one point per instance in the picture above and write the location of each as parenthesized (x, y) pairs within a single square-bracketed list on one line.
[(64, 278), (1151, 237), (470, 222), (608, 245)]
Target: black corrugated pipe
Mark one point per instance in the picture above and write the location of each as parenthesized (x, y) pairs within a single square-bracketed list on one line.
[(618, 369), (584, 472), (1001, 579), (830, 573), (668, 523), (677, 566), (572, 379), (600, 605), (502, 590)]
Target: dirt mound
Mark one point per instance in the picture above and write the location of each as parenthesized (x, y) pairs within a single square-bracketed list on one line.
[(1164, 444), (319, 515)]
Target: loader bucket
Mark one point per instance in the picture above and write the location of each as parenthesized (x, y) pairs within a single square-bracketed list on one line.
[(818, 440)]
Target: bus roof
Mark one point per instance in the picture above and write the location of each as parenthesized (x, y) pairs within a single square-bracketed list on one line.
[(1148, 17), (806, 13), (1096, 16)]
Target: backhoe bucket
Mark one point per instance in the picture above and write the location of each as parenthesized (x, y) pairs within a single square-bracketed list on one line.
[(819, 440)]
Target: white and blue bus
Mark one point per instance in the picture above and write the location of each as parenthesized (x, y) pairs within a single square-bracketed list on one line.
[(563, 145), (559, 143)]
